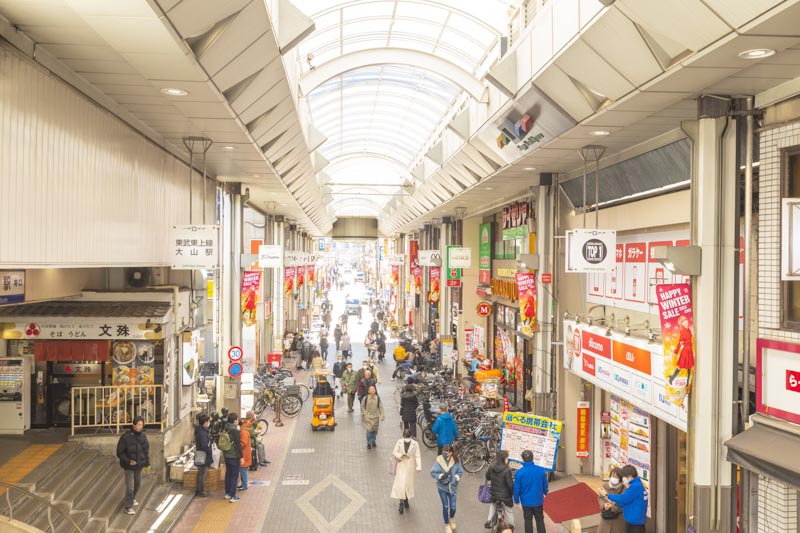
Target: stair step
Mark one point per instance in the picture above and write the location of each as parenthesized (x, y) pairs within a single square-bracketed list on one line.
[(121, 522), (42, 473), (169, 498)]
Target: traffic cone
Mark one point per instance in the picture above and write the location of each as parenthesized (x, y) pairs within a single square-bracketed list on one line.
[(505, 404)]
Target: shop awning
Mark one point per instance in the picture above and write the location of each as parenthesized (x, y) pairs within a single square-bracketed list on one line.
[(767, 451), (71, 351)]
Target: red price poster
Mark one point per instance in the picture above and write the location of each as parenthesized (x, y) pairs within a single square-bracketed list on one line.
[(584, 423), (657, 274), (614, 281), (636, 271)]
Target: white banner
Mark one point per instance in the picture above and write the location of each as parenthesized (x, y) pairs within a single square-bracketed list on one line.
[(195, 247), (294, 258), (395, 259), (591, 250), (460, 257), (270, 256), (430, 258)]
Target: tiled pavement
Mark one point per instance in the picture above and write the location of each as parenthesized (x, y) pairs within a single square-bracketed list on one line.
[(329, 482)]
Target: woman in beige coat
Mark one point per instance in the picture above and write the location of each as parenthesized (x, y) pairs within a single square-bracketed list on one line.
[(406, 451), (617, 523)]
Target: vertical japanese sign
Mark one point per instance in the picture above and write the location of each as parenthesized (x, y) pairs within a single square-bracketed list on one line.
[(288, 280), (435, 285), (468, 341), (12, 286), (416, 269), (526, 295), (485, 254), (584, 422), (453, 274), (195, 247), (251, 280), (675, 312)]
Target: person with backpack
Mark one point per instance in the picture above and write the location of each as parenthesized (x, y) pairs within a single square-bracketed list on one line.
[(347, 348), (372, 411), (202, 443), (230, 444), (133, 452), (349, 385), (447, 471), (444, 428), (501, 481), (408, 410), (246, 439)]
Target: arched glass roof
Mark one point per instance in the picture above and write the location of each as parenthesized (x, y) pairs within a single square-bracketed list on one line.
[(378, 118)]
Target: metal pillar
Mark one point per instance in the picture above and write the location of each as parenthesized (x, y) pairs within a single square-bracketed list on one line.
[(592, 152), (278, 296), (445, 299), (711, 407)]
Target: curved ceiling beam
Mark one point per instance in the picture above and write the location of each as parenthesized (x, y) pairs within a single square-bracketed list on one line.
[(392, 56)]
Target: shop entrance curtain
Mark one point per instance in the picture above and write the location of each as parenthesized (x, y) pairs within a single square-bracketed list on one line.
[(71, 350)]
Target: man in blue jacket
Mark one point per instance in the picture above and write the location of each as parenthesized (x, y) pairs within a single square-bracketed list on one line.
[(444, 428), (530, 488), (633, 500)]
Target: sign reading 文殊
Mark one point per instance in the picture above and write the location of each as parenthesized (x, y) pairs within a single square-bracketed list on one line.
[(12, 286), (675, 312), (541, 435), (591, 250), (195, 247), (526, 294)]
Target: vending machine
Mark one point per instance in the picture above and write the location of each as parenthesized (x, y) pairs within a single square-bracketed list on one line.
[(15, 395)]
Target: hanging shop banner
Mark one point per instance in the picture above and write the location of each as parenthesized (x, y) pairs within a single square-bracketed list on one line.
[(485, 254), (538, 434), (251, 280), (288, 280), (62, 328), (310, 273), (515, 221), (449, 354), (12, 286), (591, 250), (629, 367), (301, 276), (459, 257), (435, 285), (294, 258), (195, 247), (478, 339), (584, 422), (395, 275), (468, 341), (430, 258), (630, 440), (270, 256), (526, 294), (677, 324), (453, 273), (413, 253)]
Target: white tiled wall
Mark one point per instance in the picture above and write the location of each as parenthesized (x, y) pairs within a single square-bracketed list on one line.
[(777, 502), (777, 507)]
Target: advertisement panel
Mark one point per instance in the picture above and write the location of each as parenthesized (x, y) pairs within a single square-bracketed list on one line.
[(584, 423), (12, 286), (778, 379), (541, 435), (526, 295), (485, 254), (453, 273), (591, 250), (630, 439), (435, 285), (270, 256), (251, 280), (677, 326), (288, 280)]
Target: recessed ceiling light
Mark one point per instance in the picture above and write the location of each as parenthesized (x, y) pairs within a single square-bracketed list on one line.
[(600, 133), (229, 147), (256, 175), (172, 91), (530, 168), (274, 193), (757, 53)]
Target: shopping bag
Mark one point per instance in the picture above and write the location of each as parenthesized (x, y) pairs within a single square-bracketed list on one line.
[(199, 458), (216, 455), (393, 465), (485, 494)]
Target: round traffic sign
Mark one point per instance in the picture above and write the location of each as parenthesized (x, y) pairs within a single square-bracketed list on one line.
[(235, 353), (235, 370)]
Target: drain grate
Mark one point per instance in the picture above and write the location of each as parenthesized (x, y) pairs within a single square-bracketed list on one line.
[(302, 450)]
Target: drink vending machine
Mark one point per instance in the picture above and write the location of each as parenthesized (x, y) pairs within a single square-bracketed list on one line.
[(15, 395)]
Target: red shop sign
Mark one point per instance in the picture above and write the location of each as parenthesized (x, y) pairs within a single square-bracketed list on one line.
[(484, 309)]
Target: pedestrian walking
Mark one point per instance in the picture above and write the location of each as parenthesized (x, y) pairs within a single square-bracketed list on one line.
[(246, 440), (338, 370), (408, 410), (349, 385), (230, 444), (444, 428), (372, 411), (612, 521), (530, 488), (133, 452), (317, 362), (447, 472), (364, 385), (347, 348), (633, 500), (502, 488), (406, 453), (337, 335), (202, 443), (323, 345)]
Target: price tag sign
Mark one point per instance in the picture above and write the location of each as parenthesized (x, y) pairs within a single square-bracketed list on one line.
[(235, 353)]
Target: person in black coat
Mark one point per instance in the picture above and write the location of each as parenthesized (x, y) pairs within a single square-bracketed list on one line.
[(499, 477), (408, 409), (133, 452), (202, 443)]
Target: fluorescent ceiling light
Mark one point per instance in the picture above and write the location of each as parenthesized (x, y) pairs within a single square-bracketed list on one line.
[(757, 53), (600, 133), (488, 188), (172, 91), (530, 168), (229, 147)]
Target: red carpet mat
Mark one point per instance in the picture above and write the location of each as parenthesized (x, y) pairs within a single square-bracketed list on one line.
[(573, 502)]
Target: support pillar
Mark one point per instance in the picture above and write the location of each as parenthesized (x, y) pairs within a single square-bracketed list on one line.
[(278, 296), (445, 301), (711, 405)]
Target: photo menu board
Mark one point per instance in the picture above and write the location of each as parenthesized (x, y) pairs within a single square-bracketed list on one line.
[(523, 431), (630, 440)]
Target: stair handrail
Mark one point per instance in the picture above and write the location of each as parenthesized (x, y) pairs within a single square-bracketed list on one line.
[(50, 506)]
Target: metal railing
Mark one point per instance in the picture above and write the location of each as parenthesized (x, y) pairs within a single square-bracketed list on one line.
[(114, 408), (8, 487)]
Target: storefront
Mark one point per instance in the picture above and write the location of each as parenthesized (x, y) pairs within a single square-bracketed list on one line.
[(622, 380)]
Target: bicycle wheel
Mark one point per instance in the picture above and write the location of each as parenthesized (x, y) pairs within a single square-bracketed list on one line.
[(259, 406), (473, 458), (304, 392), (428, 438), (262, 426), (291, 404)]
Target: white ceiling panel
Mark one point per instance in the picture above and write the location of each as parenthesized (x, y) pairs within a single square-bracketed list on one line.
[(194, 17), (176, 68), (241, 31), (75, 51), (557, 85), (780, 21), (726, 52), (135, 35), (92, 65), (739, 12), (691, 80)]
